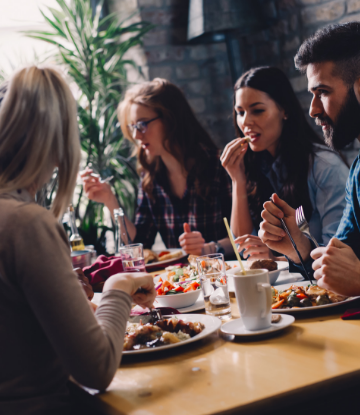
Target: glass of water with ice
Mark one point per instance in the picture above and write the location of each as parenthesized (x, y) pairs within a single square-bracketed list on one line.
[(214, 284)]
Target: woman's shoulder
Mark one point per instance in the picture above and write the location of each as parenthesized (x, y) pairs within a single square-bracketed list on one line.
[(26, 215)]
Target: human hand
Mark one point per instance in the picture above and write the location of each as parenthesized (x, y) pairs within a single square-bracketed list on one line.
[(272, 234), (94, 189), (191, 242), (337, 268), (232, 159), (131, 283), (254, 248), (84, 281)]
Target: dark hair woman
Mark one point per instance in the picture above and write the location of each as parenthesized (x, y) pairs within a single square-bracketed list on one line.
[(182, 182), (284, 155)]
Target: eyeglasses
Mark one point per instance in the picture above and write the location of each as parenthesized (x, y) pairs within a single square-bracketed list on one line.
[(140, 126)]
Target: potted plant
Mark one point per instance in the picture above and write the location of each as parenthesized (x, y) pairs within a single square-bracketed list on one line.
[(92, 49)]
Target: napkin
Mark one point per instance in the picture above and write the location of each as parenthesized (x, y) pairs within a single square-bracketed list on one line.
[(351, 314), (103, 268)]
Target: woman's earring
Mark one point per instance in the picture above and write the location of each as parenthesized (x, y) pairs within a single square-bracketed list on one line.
[(285, 117)]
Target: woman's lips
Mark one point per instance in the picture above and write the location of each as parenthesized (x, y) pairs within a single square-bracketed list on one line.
[(145, 145)]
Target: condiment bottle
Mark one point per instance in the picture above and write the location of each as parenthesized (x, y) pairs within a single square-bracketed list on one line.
[(121, 234), (76, 241)]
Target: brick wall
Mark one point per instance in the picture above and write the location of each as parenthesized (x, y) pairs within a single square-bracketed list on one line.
[(202, 71)]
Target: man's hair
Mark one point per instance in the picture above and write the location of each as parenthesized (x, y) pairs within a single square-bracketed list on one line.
[(339, 43)]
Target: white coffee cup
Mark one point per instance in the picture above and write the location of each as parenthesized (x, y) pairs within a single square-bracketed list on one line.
[(253, 296)]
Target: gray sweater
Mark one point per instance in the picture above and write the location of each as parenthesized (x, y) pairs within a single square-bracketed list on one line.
[(47, 329)]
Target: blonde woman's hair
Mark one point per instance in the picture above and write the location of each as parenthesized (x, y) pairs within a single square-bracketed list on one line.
[(39, 131)]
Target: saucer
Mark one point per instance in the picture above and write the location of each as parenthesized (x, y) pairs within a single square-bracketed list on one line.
[(237, 328)]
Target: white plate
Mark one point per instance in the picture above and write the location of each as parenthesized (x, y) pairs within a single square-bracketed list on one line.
[(159, 264), (199, 305), (211, 324), (273, 275), (305, 309), (237, 328)]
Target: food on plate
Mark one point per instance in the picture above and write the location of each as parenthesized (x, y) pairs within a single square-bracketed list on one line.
[(150, 256), (268, 264), (178, 280), (167, 255), (297, 297), (192, 262), (166, 331), (275, 318)]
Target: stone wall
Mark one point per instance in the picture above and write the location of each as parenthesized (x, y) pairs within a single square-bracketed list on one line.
[(202, 71)]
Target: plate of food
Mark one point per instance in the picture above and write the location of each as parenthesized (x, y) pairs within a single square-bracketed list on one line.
[(158, 259), (274, 267), (303, 296), (167, 333)]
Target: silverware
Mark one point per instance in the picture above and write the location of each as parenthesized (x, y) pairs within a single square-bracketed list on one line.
[(283, 224), (106, 180), (303, 224)]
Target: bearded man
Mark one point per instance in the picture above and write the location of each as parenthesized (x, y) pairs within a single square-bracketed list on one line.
[(331, 61)]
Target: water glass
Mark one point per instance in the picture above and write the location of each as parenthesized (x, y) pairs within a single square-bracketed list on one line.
[(214, 284), (132, 257)]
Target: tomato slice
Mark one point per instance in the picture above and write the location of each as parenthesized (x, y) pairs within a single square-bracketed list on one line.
[(163, 253)]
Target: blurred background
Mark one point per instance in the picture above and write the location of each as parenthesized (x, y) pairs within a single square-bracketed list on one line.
[(202, 46)]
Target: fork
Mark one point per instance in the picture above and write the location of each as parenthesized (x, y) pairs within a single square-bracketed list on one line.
[(303, 224)]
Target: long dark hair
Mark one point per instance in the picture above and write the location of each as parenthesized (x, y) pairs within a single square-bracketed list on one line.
[(295, 152), (185, 137)]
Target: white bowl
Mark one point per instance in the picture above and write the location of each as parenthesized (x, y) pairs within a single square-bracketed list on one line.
[(273, 275), (178, 300)]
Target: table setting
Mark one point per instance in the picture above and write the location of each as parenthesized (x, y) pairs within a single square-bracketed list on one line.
[(237, 332)]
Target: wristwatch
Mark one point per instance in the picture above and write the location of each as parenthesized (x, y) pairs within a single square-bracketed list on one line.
[(219, 249)]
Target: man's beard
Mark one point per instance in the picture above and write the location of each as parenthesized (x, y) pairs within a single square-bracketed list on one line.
[(346, 127)]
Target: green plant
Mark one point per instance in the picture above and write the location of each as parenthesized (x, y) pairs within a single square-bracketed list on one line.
[(92, 50)]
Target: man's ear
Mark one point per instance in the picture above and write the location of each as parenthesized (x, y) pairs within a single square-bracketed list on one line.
[(357, 89)]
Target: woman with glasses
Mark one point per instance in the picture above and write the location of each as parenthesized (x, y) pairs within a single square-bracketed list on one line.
[(184, 192)]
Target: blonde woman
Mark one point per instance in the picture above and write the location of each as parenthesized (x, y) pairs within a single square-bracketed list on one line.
[(47, 328), (184, 192)]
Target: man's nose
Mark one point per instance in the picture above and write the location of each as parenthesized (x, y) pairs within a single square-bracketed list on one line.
[(316, 107)]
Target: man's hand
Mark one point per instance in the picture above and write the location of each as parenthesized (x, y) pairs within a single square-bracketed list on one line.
[(272, 234), (191, 242), (337, 268), (254, 248)]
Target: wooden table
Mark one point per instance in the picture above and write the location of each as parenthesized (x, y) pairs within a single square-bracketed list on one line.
[(316, 359)]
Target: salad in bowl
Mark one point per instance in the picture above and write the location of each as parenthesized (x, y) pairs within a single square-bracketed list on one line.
[(179, 287)]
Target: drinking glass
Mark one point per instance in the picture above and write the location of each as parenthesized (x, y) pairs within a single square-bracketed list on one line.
[(214, 285), (132, 257)]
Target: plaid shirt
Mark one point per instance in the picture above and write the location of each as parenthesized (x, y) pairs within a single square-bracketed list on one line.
[(167, 213)]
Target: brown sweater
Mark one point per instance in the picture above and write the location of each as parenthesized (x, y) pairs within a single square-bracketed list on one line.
[(47, 329)]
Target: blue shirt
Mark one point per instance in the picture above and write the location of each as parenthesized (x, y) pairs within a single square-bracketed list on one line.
[(326, 184), (349, 227)]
